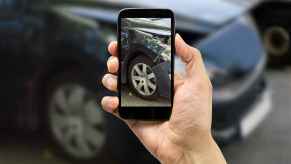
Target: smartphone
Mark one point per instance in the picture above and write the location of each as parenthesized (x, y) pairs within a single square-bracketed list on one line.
[(145, 77)]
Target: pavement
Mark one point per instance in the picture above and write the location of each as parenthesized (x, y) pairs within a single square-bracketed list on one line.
[(130, 99), (16, 149), (269, 144)]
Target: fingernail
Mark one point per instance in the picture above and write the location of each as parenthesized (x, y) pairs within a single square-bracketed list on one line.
[(109, 82), (108, 103), (105, 102), (112, 64), (110, 46), (178, 36), (106, 80), (113, 60)]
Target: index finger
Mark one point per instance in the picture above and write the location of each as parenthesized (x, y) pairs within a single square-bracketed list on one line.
[(112, 48)]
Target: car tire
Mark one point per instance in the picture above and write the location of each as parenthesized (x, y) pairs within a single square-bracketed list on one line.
[(142, 79), (74, 121), (276, 35)]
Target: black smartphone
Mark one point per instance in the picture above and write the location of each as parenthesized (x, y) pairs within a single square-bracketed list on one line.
[(146, 53)]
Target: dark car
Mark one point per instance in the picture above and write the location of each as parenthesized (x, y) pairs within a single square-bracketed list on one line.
[(232, 48), (147, 57), (50, 75), (53, 52), (228, 37)]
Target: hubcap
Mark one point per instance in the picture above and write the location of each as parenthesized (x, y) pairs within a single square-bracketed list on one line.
[(143, 79), (277, 40), (76, 121)]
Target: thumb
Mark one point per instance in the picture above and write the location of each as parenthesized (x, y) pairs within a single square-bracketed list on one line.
[(190, 56)]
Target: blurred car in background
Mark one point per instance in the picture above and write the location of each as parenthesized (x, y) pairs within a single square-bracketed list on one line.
[(232, 49), (50, 75), (271, 17), (53, 52)]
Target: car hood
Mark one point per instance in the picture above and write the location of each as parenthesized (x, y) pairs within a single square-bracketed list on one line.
[(201, 16), (213, 11)]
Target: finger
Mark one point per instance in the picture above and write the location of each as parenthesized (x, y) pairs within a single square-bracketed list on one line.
[(110, 105), (191, 56), (113, 64), (178, 81), (112, 48), (110, 82), (183, 49)]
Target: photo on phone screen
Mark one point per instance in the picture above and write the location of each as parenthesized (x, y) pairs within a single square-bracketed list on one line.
[(145, 62)]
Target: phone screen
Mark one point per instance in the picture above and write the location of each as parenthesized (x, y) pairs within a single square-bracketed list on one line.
[(146, 62)]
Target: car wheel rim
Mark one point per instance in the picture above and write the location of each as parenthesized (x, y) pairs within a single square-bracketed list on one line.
[(76, 121), (277, 40), (143, 79)]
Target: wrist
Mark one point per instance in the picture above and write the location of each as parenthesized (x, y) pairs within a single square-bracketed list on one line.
[(200, 151), (207, 152)]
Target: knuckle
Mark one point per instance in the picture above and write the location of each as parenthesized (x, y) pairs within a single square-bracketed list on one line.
[(196, 51), (197, 57), (204, 84), (201, 84)]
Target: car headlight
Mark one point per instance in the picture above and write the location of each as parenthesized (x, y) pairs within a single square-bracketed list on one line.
[(229, 85)]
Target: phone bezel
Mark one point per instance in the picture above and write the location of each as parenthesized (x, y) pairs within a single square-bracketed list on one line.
[(147, 113)]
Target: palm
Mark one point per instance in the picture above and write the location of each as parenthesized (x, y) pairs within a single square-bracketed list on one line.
[(151, 134), (162, 136), (157, 136), (191, 114)]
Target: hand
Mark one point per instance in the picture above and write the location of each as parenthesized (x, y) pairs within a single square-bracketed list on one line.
[(186, 137)]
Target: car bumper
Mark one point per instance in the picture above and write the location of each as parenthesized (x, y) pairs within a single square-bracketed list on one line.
[(240, 106), (238, 121)]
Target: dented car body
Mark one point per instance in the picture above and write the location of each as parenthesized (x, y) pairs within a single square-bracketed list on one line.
[(151, 39)]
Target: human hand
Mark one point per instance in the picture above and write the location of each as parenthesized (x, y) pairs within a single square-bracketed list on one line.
[(186, 136)]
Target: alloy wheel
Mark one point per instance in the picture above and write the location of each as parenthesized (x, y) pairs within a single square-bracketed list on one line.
[(143, 79), (76, 121)]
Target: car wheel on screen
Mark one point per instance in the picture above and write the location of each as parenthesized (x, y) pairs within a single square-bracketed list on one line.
[(142, 79), (74, 119), (276, 33)]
